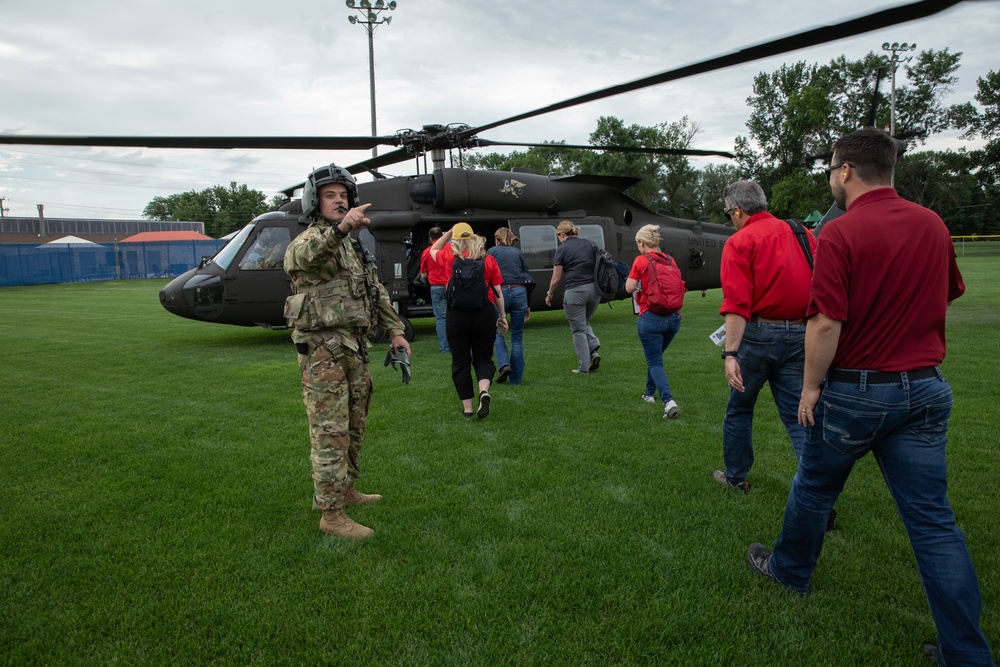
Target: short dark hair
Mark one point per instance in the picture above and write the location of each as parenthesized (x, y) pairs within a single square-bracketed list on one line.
[(871, 153), (435, 233)]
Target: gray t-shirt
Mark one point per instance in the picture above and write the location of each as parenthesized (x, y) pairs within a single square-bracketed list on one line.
[(577, 257)]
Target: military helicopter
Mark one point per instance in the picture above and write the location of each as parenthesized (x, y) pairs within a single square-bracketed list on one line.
[(244, 284)]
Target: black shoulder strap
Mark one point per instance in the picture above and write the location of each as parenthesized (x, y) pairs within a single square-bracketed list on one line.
[(801, 233)]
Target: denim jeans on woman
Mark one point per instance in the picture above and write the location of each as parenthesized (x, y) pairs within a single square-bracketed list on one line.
[(905, 427), (772, 353), (655, 333), (515, 301)]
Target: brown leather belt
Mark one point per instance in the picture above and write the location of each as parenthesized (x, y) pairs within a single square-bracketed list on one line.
[(879, 377), (506, 285), (768, 320)]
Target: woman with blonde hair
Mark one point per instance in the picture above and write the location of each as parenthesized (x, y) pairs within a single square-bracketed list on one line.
[(655, 330), (517, 281), (575, 259), (475, 312)]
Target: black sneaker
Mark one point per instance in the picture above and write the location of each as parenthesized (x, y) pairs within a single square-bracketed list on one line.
[(831, 520), (930, 652), (721, 478), (484, 405), (758, 556), (502, 375), (595, 361)]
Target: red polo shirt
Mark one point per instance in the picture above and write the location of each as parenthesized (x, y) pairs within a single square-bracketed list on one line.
[(436, 274), (887, 270), (764, 271)]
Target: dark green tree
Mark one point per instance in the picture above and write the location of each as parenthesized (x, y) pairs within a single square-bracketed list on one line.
[(798, 111), (222, 209), (665, 178)]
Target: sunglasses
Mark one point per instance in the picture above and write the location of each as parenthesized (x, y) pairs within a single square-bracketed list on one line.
[(729, 213), (833, 167)]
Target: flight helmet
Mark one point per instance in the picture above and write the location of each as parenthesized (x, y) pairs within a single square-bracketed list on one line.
[(323, 176)]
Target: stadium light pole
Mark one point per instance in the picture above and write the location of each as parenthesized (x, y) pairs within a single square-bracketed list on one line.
[(893, 61), (370, 18)]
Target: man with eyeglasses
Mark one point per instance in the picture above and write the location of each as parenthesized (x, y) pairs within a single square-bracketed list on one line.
[(765, 290), (874, 342)]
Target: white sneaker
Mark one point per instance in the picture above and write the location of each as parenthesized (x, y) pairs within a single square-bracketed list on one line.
[(648, 398), (671, 410)]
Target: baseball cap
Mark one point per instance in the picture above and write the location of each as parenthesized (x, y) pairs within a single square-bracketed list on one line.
[(461, 230)]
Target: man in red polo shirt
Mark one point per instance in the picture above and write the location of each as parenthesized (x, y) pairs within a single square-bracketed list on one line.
[(885, 274), (437, 278), (765, 286)]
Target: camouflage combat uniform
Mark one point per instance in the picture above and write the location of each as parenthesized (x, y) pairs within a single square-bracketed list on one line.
[(337, 303)]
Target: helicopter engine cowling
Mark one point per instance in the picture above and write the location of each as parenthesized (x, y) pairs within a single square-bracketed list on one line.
[(458, 189)]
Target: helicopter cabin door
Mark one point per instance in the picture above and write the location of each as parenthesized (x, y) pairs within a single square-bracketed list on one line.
[(538, 243)]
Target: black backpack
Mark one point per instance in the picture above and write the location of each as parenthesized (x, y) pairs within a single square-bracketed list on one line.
[(606, 276), (467, 289)]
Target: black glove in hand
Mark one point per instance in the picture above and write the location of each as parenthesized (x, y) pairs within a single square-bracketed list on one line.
[(399, 360)]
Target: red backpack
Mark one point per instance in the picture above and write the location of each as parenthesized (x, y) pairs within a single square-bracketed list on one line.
[(664, 288)]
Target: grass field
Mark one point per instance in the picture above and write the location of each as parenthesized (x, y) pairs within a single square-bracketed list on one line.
[(155, 499)]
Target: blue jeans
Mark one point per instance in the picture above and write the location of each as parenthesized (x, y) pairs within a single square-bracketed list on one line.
[(515, 301), (580, 304), (905, 427), (655, 333), (772, 353), (439, 301)]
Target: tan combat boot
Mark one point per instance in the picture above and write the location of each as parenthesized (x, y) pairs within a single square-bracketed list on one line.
[(335, 522), (355, 497)]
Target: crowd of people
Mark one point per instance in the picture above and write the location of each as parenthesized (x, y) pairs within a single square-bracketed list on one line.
[(848, 342)]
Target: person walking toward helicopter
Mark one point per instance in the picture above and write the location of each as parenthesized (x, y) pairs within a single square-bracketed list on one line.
[(475, 312), (574, 259), (655, 329), (337, 304), (517, 281)]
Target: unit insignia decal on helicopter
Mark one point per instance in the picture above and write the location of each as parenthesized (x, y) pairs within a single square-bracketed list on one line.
[(512, 187)]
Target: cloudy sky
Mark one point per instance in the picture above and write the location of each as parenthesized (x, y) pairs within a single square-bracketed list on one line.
[(298, 67)]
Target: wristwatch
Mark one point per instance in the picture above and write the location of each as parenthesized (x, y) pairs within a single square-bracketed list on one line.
[(339, 234), (729, 353)]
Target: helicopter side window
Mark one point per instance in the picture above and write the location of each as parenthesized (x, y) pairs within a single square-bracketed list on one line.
[(538, 243), (268, 250), (593, 233)]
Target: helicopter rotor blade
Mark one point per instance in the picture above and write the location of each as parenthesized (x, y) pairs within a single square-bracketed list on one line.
[(816, 36), (615, 149), (299, 143), (392, 157)]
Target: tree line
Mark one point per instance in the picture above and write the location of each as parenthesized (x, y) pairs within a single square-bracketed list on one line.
[(796, 113)]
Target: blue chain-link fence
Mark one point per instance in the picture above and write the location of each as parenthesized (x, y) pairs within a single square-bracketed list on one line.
[(22, 264)]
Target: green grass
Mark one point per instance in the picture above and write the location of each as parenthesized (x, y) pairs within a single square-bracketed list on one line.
[(155, 499)]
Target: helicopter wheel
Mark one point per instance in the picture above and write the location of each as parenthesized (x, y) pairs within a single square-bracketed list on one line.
[(380, 339)]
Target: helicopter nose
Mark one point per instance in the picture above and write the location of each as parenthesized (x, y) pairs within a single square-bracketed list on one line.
[(196, 295)]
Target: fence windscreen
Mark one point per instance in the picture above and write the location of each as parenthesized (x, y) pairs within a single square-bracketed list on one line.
[(27, 264)]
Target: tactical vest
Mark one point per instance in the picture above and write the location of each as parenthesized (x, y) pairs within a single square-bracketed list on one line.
[(342, 302)]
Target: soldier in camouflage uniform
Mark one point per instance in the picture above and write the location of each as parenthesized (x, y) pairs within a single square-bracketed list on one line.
[(337, 304)]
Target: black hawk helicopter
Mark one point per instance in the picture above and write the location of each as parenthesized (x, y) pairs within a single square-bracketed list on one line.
[(244, 283)]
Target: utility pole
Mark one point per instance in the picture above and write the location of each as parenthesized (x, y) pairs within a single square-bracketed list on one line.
[(370, 20), (3, 209)]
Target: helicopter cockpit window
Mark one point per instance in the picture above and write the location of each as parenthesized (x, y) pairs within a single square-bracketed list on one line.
[(225, 256), (267, 250)]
